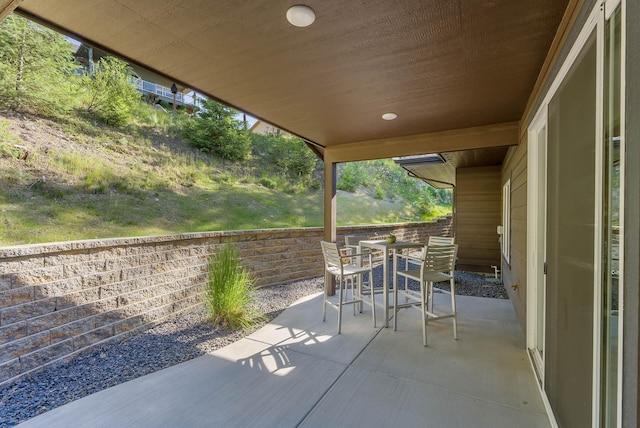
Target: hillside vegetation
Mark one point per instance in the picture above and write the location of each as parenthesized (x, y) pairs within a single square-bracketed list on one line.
[(78, 180), (84, 156)]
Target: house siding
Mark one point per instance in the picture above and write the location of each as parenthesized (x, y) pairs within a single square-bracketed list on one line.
[(514, 274), (478, 213)]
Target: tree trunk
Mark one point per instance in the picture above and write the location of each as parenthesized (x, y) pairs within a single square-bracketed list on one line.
[(20, 67)]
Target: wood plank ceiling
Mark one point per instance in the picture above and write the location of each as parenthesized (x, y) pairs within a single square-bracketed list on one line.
[(440, 65)]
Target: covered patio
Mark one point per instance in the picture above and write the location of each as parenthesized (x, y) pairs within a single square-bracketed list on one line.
[(378, 79), (296, 371)]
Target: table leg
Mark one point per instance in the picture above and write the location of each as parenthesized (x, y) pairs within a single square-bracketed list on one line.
[(385, 285), (395, 289)]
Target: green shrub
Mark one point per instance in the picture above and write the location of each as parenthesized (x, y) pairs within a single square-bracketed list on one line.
[(283, 154), (268, 182), (8, 142), (98, 178), (352, 176), (146, 114), (48, 190), (8, 151), (215, 130), (230, 291), (109, 93), (378, 193), (315, 184), (423, 207), (116, 113)]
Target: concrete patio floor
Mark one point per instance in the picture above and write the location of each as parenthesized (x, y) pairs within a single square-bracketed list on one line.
[(296, 371)]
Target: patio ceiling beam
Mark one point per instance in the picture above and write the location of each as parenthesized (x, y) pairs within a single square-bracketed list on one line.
[(499, 135), (7, 6)]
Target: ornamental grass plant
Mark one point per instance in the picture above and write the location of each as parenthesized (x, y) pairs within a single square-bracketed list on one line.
[(230, 291)]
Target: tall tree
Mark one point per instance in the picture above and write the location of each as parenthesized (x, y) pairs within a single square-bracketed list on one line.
[(37, 70)]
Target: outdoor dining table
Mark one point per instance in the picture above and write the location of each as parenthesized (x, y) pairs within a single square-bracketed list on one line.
[(387, 250)]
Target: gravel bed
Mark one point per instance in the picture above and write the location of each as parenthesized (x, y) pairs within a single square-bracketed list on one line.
[(179, 339), (467, 283)]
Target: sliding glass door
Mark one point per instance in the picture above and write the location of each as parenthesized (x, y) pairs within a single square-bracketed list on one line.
[(574, 298), (570, 241)]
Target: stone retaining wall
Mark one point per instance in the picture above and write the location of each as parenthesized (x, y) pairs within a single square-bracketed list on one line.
[(59, 299)]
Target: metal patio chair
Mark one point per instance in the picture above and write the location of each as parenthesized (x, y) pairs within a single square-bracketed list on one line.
[(436, 264), (339, 265)]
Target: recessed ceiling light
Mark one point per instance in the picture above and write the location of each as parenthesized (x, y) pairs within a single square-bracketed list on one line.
[(389, 116), (301, 15)]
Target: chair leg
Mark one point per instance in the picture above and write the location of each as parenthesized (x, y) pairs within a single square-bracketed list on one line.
[(453, 308), (395, 303), (360, 281), (429, 302), (324, 301), (430, 297), (341, 288), (354, 294), (373, 298), (423, 303)]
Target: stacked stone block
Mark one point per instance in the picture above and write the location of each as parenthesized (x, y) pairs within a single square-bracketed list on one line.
[(59, 299)]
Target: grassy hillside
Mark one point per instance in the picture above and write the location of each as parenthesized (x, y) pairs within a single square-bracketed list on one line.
[(74, 179)]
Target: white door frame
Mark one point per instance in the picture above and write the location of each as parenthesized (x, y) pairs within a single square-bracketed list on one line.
[(536, 196)]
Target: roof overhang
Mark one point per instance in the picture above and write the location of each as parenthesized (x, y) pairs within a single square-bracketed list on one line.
[(431, 168), (440, 65), (439, 170)]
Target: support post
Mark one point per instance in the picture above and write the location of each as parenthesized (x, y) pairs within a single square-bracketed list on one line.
[(7, 6), (330, 177)]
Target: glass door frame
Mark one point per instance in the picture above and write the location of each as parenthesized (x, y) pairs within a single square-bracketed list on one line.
[(612, 7), (536, 195)]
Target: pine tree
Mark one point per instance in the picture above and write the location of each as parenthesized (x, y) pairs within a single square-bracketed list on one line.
[(215, 130), (37, 70)]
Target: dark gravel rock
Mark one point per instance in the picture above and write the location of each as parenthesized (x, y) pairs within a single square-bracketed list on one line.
[(467, 283), (477, 285), (179, 339)]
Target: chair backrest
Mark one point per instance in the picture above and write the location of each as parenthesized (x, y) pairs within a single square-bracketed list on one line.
[(440, 258), (440, 240), (353, 240), (332, 259)]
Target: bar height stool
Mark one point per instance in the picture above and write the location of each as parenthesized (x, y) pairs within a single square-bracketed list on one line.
[(338, 265), (436, 264)]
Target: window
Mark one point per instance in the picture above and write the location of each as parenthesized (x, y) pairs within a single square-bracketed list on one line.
[(506, 219)]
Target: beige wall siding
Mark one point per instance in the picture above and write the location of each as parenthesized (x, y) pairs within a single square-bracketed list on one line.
[(478, 213), (514, 274)]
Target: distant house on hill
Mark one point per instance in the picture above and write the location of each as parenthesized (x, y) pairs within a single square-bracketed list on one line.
[(264, 128), (155, 87)]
